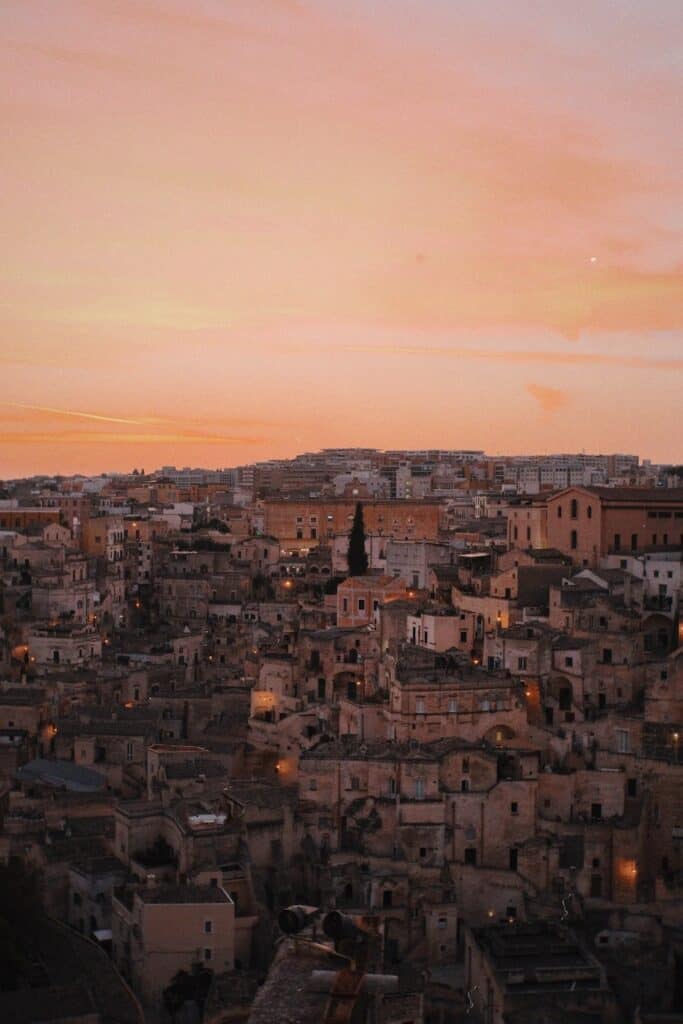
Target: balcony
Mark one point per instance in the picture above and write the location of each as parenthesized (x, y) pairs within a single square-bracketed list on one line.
[(658, 603)]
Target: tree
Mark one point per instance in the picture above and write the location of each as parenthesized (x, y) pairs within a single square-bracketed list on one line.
[(356, 555), (20, 916), (262, 588)]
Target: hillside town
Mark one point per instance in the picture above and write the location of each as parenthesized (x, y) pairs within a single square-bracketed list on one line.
[(365, 736)]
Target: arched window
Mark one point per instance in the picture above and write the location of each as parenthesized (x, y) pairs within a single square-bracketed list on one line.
[(574, 508)]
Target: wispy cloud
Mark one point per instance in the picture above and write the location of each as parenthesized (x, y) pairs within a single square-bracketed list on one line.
[(83, 437), (78, 414), (550, 358)]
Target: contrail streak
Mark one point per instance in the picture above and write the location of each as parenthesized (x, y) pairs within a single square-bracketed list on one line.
[(78, 414)]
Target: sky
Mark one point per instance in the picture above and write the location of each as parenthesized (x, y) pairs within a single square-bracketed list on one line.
[(239, 229)]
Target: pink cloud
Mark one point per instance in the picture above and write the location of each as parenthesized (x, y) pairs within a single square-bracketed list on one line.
[(549, 399)]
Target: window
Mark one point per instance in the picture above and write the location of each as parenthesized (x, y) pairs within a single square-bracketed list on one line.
[(589, 511), (387, 898), (574, 508), (634, 542), (513, 857), (617, 542), (631, 787), (207, 954), (419, 789), (129, 751), (463, 636), (419, 705), (514, 807), (559, 511), (355, 782), (596, 812), (313, 784), (470, 855), (465, 765), (521, 664), (208, 927), (442, 922), (569, 661), (623, 741), (607, 655), (574, 540), (361, 604), (511, 912), (465, 786), (452, 706)]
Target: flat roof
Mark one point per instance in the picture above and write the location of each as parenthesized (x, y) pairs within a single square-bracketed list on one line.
[(60, 774), (185, 894)]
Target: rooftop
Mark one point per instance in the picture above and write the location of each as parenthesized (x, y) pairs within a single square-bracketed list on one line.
[(59, 774), (185, 894), (539, 956)]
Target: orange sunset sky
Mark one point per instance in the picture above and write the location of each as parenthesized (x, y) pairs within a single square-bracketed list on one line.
[(236, 229)]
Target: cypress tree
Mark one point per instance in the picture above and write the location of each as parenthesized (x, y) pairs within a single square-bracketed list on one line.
[(356, 556)]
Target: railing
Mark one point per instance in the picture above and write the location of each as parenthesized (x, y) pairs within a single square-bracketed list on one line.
[(659, 603)]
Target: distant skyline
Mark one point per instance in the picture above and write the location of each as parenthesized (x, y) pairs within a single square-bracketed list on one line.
[(155, 470), (236, 231)]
